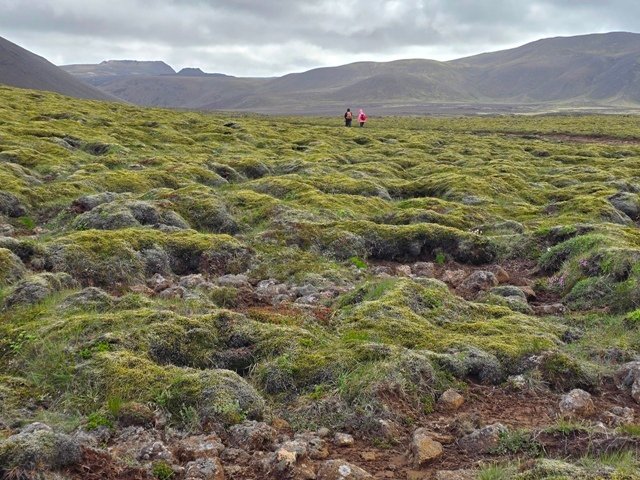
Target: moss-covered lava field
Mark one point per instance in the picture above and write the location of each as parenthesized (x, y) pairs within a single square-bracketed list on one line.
[(168, 276)]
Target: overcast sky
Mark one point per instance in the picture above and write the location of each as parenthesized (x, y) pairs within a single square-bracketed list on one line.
[(273, 37)]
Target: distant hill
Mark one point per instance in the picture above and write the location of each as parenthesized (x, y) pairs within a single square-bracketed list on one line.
[(21, 68), (581, 71)]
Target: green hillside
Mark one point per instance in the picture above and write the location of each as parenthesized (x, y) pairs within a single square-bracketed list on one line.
[(185, 273)]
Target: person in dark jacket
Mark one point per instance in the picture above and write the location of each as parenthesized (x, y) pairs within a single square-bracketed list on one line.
[(348, 116)]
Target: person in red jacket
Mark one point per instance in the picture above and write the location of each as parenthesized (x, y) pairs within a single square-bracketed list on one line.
[(362, 118)]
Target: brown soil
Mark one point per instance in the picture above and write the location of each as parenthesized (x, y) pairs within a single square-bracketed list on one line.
[(98, 465)]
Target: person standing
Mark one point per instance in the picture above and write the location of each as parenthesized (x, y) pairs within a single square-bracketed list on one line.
[(348, 116), (362, 118)]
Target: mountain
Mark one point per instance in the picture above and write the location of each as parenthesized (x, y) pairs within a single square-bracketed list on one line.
[(572, 72), (110, 70), (21, 68)]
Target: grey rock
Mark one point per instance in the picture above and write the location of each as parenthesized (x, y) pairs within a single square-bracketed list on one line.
[(577, 403), (628, 376)]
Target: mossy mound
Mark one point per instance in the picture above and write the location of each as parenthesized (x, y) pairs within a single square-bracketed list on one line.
[(124, 257), (215, 394)]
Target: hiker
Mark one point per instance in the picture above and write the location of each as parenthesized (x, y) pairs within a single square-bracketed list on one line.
[(362, 118), (348, 116)]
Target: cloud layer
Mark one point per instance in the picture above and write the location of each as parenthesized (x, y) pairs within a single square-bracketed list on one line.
[(263, 38)]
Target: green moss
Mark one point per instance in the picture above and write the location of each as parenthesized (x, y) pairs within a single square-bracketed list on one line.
[(11, 267)]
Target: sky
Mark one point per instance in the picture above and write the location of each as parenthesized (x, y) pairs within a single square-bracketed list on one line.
[(275, 37)]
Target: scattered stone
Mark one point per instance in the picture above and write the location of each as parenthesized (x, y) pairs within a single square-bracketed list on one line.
[(423, 269), (316, 447), (158, 283), (478, 281), (620, 416), (155, 451), (628, 376), (369, 456), (482, 440), (550, 309), (577, 403), (304, 291), (324, 432), (423, 448), (508, 291), (403, 270), (141, 290), (307, 300), (236, 281), (253, 435), (343, 440), (501, 274), (450, 400), (342, 470), (456, 475), (381, 271), (454, 277), (173, 292), (194, 281), (529, 292), (204, 469)]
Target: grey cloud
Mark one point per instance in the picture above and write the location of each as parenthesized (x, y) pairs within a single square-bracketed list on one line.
[(255, 37)]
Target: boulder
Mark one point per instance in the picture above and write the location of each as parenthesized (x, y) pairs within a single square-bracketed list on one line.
[(450, 400), (577, 403), (483, 440), (199, 446), (620, 416), (424, 448), (342, 470)]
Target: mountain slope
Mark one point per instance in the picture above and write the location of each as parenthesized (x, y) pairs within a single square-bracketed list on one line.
[(21, 68), (593, 70)]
